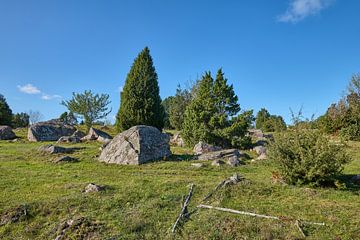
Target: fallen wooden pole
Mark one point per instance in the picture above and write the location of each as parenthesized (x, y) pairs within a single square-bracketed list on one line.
[(251, 214), (183, 209)]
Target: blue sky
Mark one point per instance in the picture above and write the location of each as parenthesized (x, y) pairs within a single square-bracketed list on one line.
[(278, 54)]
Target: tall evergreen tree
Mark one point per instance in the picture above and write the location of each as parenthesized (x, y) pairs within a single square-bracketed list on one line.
[(140, 98), (5, 112), (177, 108), (210, 117)]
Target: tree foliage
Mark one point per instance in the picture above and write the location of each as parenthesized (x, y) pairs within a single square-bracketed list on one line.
[(344, 116), (20, 120), (210, 116), (89, 106), (5, 112), (140, 99), (269, 123), (68, 118)]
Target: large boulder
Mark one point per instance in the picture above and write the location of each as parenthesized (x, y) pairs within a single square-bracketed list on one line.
[(202, 147), (49, 131), (96, 134), (136, 145), (6, 133)]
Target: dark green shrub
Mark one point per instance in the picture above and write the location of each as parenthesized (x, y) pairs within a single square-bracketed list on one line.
[(307, 157)]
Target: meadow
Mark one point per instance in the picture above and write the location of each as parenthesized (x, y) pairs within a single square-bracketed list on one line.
[(143, 202)]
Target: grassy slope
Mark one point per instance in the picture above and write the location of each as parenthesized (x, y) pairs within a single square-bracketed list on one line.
[(142, 202)]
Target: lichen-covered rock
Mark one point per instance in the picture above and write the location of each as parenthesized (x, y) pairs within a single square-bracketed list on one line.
[(260, 150), (230, 156), (49, 131), (136, 145), (203, 147), (6, 133), (92, 187), (96, 134)]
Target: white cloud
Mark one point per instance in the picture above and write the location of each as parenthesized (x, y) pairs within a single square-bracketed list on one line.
[(50, 97), (29, 89), (120, 89), (300, 9)]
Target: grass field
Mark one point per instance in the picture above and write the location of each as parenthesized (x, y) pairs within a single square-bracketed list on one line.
[(142, 202)]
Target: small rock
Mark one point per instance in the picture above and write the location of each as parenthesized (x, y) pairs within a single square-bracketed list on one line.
[(203, 147), (217, 162), (234, 179), (92, 187), (197, 165), (64, 159), (69, 139), (262, 156), (177, 140), (55, 149), (260, 150), (233, 161)]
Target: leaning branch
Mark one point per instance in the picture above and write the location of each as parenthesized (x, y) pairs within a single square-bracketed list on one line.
[(183, 211)]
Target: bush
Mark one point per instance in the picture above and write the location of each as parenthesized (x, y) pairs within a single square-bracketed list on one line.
[(351, 132), (307, 157)]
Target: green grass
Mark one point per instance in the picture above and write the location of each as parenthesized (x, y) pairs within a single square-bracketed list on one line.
[(142, 202)]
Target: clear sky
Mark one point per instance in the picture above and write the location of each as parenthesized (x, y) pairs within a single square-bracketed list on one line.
[(277, 53)]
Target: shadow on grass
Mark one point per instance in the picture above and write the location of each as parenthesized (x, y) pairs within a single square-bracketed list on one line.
[(348, 184), (181, 157)]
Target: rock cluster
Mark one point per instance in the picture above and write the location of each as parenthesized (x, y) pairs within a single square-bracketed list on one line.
[(137, 145)]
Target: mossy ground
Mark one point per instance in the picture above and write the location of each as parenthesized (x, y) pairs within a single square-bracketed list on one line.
[(142, 202)]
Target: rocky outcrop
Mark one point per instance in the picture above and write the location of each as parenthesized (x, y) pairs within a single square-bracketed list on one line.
[(137, 145), (49, 131), (6, 133), (203, 147), (96, 134)]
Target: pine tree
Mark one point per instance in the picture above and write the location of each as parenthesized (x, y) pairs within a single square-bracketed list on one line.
[(210, 117), (140, 99), (178, 106), (5, 112)]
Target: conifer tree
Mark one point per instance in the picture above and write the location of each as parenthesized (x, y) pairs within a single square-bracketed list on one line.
[(210, 117), (5, 112), (140, 99)]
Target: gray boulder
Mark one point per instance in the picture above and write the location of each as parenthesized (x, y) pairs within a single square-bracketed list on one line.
[(6, 133), (136, 145), (260, 150), (96, 134), (203, 147), (49, 131), (92, 187)]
